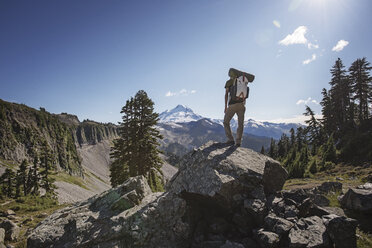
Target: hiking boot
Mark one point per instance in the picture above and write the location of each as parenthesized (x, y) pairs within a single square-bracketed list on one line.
[(229, 143), (238, 145)]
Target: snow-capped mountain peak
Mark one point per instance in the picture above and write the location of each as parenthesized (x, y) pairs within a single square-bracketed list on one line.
[(180, 113)]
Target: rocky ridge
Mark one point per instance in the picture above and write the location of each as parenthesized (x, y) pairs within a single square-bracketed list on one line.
[(222, 196)]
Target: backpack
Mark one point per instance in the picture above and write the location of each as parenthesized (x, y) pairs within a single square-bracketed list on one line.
[(239, 91)]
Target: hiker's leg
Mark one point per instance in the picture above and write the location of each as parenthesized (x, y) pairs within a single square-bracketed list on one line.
[(239, 132), (226, 122)]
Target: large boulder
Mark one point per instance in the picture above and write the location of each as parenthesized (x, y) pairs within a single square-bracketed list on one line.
[(217, 198), (358, 200), (341, 230), (309, 232), (221, 171)]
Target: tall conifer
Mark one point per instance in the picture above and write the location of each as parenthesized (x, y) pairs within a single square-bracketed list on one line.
[(361, 86), (136, 151)]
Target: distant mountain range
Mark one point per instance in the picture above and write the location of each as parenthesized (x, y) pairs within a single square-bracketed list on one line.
[(183, 114)]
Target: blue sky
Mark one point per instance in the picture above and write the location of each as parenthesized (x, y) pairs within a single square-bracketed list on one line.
[(88, 57)]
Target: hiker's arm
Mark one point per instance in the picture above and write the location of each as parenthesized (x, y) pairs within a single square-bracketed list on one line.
[(226, 98)]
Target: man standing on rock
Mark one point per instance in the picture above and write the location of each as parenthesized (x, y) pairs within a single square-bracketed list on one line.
[(237, 92)]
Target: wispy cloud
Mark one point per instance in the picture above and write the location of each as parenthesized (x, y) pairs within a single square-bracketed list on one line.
[(182, 92), (307, 101), (297, 37), (276, 23), (341, 44), (312, 46), (308, 61)]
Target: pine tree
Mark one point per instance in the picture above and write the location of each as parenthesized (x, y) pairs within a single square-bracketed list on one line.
[(136, 151), (328, 120), (33, 184), (312, 167), (283, 146), (292, 138), (8, 182), (22, 176), (46, 166), (313, 127), (273, 151), (340, 93), (361, 88), (300, 138), (262, 150), (330, 150)]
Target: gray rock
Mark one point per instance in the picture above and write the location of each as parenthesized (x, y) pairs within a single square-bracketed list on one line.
[(201, 207), (277, 225), (366, 186), (335, 210), (130, 213), (224, 171), (2, 235), (297, 195), (319, 200), (266, 239), (309, 232), (328, 187), (318, 211), (341, 230), (11, 230), (257, 209), (359, 200)]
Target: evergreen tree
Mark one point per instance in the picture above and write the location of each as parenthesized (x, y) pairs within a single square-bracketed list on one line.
[(330, 151), (136, 151), (283, 146), (361, 88), (262, 150), (300, 138), (8, 182), (313, 127), (273, 151), (46, 166), (340, 93), (22, 176), (312, 167), (292, 138), (328, 120), (33, 178)]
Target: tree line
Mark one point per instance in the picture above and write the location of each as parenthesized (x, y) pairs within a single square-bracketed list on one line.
[(29, 179), (343, 134)]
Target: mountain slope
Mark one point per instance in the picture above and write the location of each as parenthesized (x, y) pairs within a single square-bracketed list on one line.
[(182, 114), (178, 114), (180, 138)]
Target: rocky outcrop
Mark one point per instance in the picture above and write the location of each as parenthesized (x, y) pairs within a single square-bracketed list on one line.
[(222, 196)]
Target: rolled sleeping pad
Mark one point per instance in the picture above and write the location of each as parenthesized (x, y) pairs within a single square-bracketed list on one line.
[(234, 73)]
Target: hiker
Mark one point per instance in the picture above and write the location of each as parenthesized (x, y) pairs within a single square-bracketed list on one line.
[(237, 92)]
